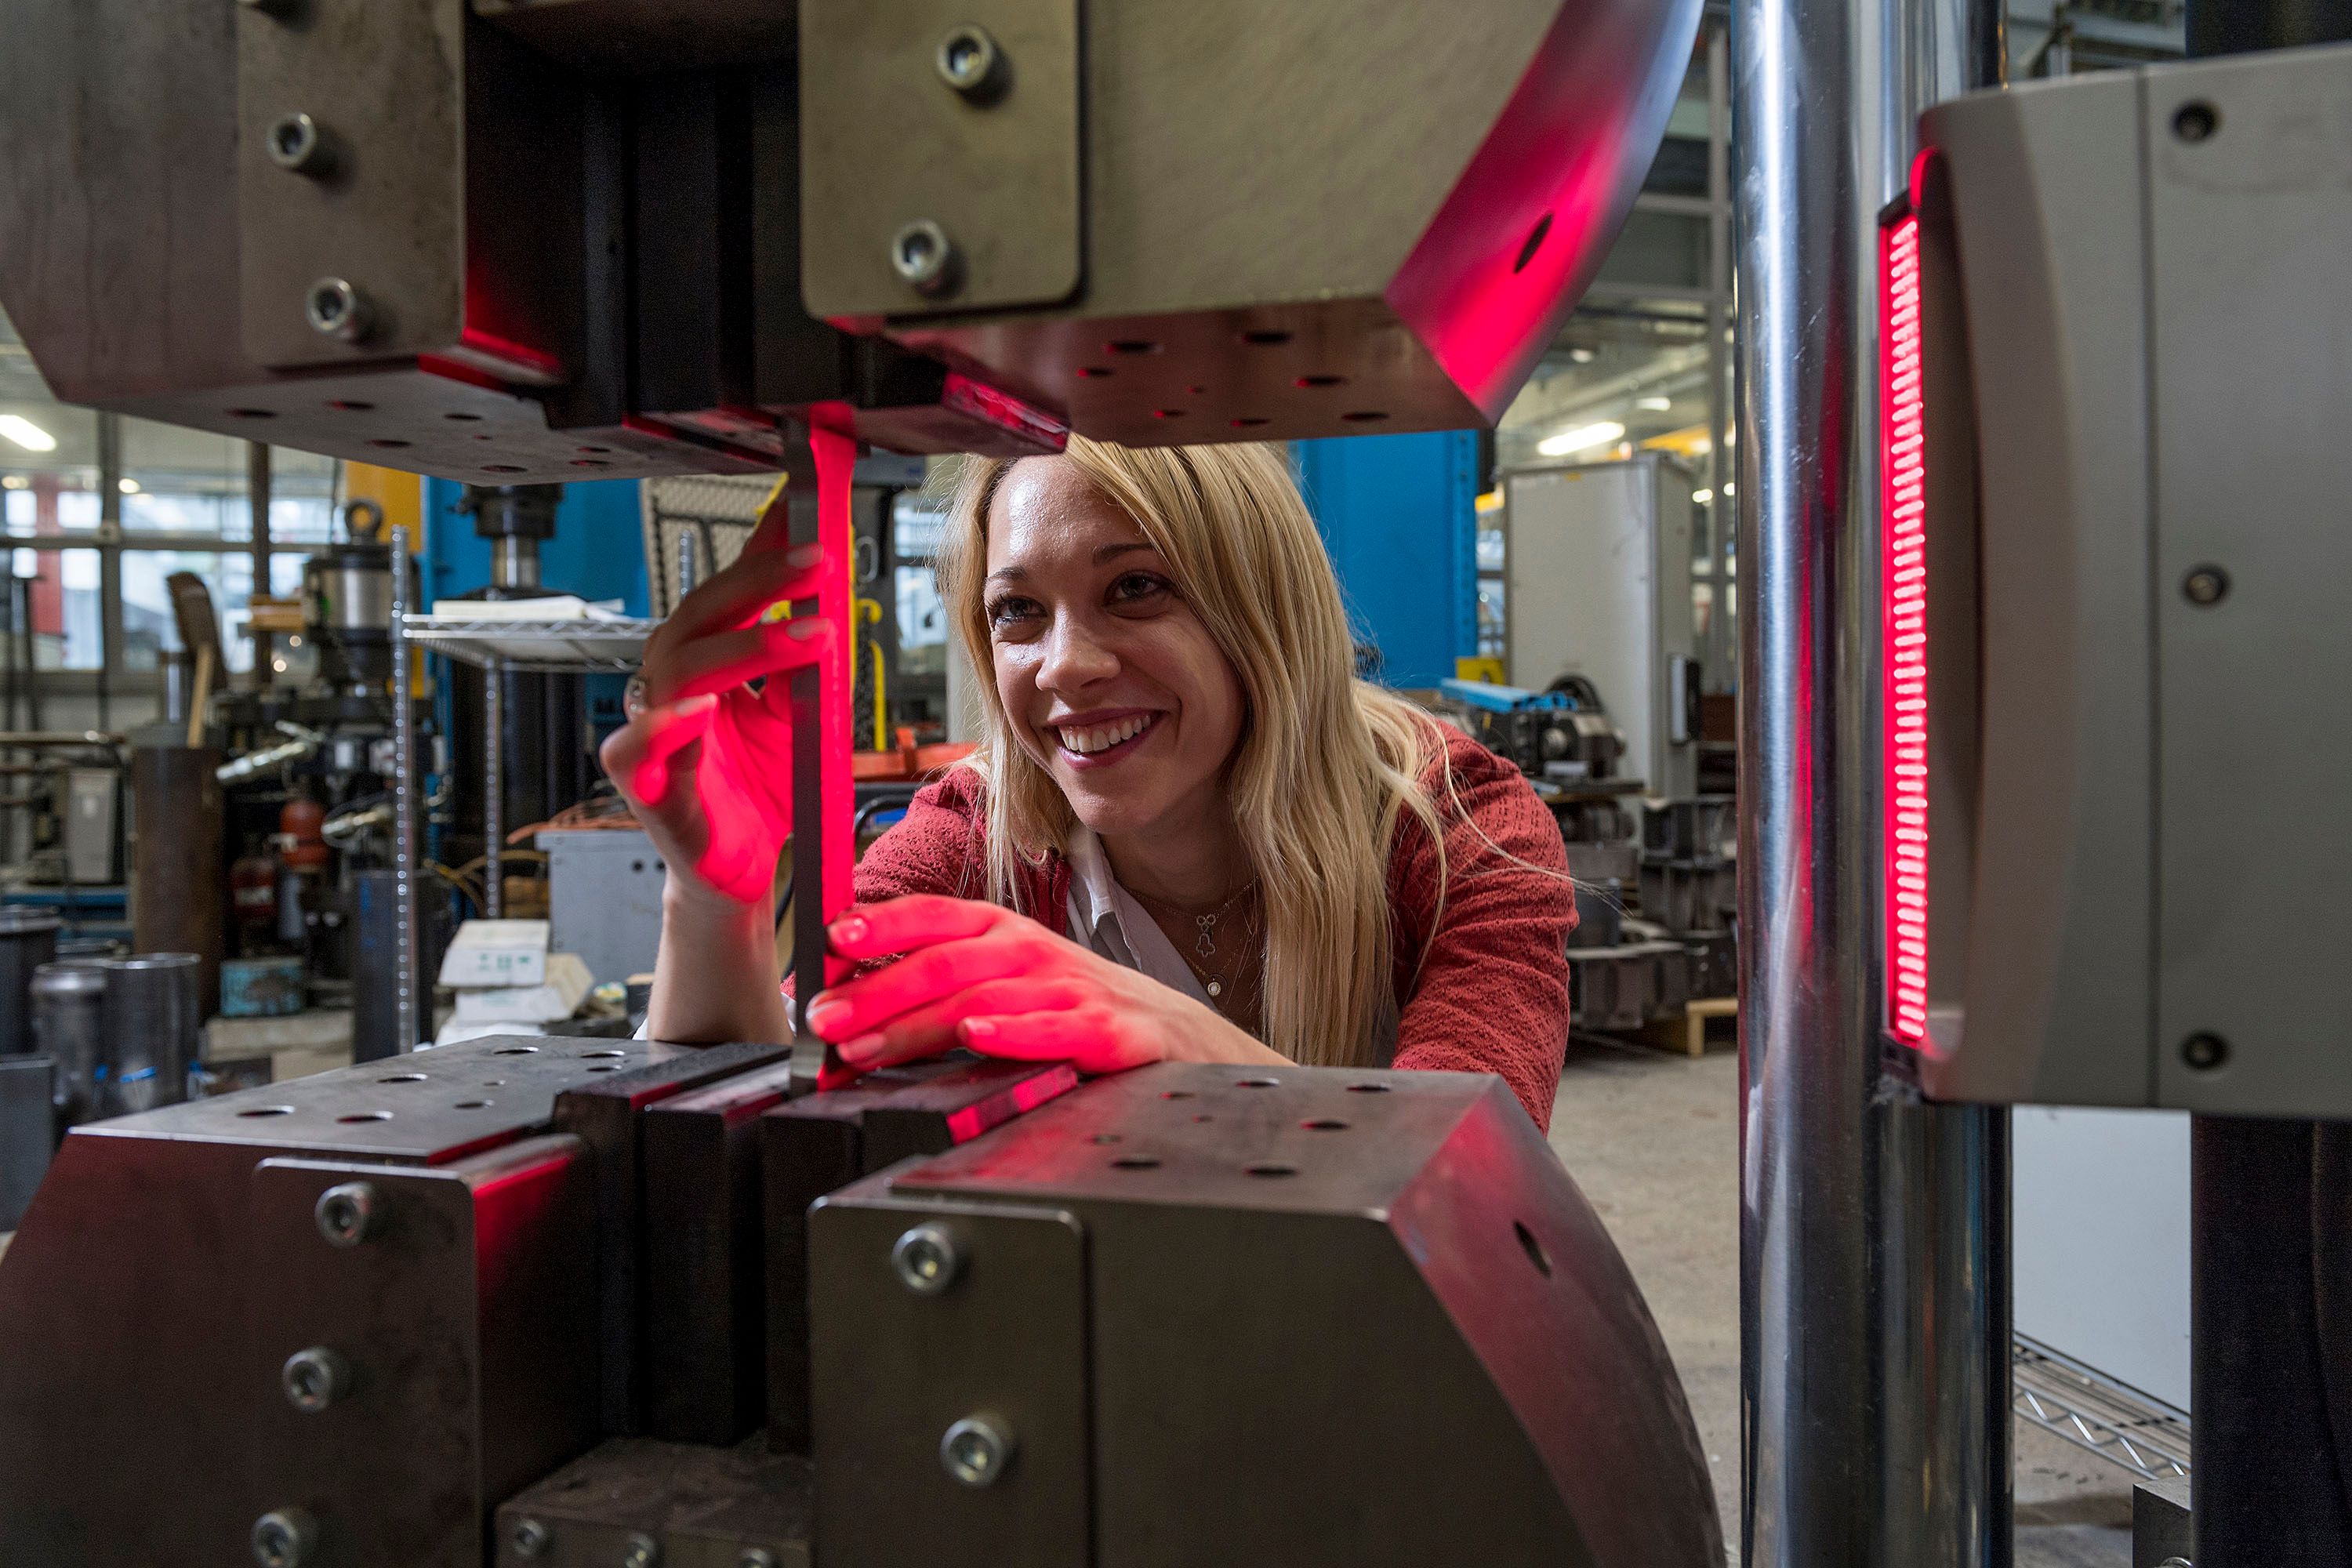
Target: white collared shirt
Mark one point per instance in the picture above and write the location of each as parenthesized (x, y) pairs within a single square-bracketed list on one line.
[(1107, 918)]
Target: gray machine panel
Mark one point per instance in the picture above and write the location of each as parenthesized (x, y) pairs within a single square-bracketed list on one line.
[(2249, 230)]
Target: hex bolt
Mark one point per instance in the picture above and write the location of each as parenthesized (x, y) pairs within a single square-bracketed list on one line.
[(296, 144), (977, 1449), (337, 310), (2205, 1051), (2205, 587), (970, 62), (642, 1552), (530, 1538), (926, 1259), (924, 258), (346, 1214), (756, 1557), (315, 1378), (285, 1538), (2196, 121)]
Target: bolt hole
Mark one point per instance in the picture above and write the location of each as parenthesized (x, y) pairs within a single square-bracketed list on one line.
[(607, 1068), (1256, 1083), (463, 418), (590, 463), (1534, 243), (1315, 381), (2205, 1052), (1271, 1169), (404, 1078), (1136, 1163), (349, 405), (389, 441), (1248, 422), (1095, 372), (1533, 1248), (1175, 1094), (2196, 121), (268, 1111), (1368, 1088), (1168, 414), (253, 414), (1130, 346), (366, 1116), (611, 1055), (595, 451), (473, 1105), (1364, 416), (494, 1083), (1266, 337), (1106, 1138), (1324, 1124), (502, 468), (516, 1051)]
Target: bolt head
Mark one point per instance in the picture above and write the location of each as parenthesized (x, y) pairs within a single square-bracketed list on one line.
[(924, 258), (2205, 1051), (642, 1552), (348, 1213), (2196, 121), (295, 143), (970, 62), (337, 310), (756, 1557), (976, 1451), (2205, 587), (284, 1538), (315, 1378), (530, 1538), (926, 1259)]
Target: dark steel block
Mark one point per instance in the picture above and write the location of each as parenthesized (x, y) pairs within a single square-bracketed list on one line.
[(705, 1297), (1303, 1285), (811, 1145), (700, 1507)]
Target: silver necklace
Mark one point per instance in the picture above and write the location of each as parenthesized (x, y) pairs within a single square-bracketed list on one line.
[(1205, 940)]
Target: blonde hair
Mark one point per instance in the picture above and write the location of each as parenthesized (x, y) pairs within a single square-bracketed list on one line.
[(1327, 765)]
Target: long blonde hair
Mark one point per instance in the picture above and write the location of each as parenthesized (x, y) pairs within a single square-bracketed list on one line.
[(1327, 765)]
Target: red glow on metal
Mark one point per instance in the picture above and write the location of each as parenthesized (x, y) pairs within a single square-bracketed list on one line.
[(973, 1120), (1004, 410), (1902, 474)]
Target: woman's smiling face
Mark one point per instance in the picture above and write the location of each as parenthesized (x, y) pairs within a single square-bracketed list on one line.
[(1111, 681)]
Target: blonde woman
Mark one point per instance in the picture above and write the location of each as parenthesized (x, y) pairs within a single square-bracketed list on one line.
[(1191, 833)]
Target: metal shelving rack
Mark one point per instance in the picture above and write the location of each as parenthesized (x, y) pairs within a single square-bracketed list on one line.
[(497, 648)]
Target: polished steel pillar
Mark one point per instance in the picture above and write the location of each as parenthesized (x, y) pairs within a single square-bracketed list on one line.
[(1874, 1231)]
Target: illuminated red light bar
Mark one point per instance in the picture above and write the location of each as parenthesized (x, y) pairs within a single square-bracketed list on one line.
[(1902, 474)]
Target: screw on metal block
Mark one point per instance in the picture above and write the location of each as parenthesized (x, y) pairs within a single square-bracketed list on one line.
[(2205, 585), (336, 310), (529, 1537), (2196, 121), (295, 144), (642, 1552), (976, 1451), (924, 258), (926, 1259), (2205, 1051), (285, 1538), (347, 1213), (315, 1378), (756, 1557), (970, 62)]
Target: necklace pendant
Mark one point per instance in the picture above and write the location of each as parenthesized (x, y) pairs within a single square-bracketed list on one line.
[(1205, 945), (1217, 988)]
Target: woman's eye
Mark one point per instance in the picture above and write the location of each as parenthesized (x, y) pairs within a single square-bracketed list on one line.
[(1138, 587), (1009, 611)]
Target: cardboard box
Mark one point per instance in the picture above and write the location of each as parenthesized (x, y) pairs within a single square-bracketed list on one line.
[(496, 952)]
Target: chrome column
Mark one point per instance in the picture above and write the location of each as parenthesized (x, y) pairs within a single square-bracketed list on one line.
[(1874, 1231)]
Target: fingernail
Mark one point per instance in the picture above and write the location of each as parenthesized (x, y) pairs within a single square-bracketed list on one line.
[(805, 627), (852, 929), (861, 1049), (824, 1011), (977, 1030)]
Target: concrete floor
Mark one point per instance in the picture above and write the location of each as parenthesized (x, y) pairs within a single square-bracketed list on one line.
[(1654, 1140)]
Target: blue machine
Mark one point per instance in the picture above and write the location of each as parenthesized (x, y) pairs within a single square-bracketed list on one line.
[(1399, 514)]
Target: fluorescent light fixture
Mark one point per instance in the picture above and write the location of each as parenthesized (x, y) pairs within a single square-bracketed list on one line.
[(15, 482), (1653, 404), (1581, 355), (1578, 440), (127, 487), (26, 433), (1702, 497)]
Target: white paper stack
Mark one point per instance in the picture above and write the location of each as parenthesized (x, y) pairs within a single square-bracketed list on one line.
[(558, 994), (507, 981)]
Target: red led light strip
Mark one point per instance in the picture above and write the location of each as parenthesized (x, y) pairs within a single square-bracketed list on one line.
[(1903, 474)]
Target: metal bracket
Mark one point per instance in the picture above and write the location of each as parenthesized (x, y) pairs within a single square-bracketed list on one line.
[(971, 196)]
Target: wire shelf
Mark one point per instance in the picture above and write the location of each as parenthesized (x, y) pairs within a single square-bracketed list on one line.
[(551, 648), (2129, 1429)]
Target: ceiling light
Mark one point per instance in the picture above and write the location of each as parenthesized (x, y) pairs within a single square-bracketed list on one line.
[(127, 487), (1581, 355), (15, 482), (1702, 497), (1653, 404), (26, 433), (1730, 488), (1578, 440)]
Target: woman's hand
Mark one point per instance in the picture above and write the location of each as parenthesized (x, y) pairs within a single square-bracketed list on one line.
[(706, 765), (981, 976)]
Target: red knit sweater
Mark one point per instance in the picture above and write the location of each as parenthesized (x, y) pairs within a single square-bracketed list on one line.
[(1487, 991)]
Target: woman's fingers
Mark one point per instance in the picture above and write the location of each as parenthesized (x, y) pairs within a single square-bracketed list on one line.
[(1085, 1037), (728, 659), (873, 1001), (927, 1031), (919, 920), (639, 754), (734, 597)]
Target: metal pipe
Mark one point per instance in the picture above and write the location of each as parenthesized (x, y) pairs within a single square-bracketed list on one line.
[(1873, 1257), (408, 981), (256, 489), (1718, 355), (494, 789), (109, 564), (514, 561)]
